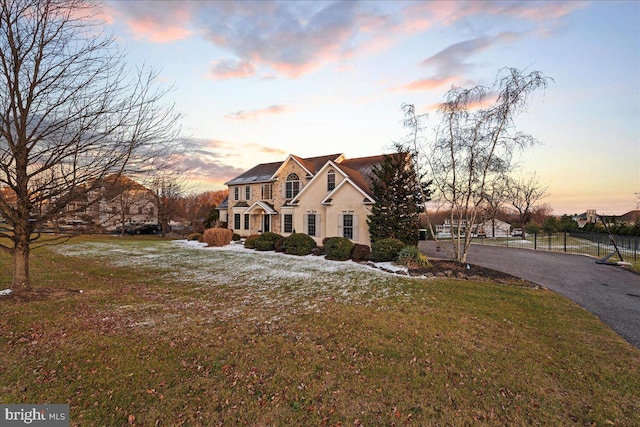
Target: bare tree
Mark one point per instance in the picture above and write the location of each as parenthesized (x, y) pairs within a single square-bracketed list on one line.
[(71, 113), (474, 145), (494, 198), (524, 194)]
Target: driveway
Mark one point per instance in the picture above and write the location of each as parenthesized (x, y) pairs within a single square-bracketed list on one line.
[(609, 292)]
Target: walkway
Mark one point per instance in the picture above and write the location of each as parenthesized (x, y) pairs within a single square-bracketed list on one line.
[(609, 292)]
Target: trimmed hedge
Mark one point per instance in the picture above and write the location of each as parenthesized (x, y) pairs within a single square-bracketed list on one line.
[(412, 258), (267, 241), (194, 236), (361, 252), (338, 248), (250, 242), (386, 249), (217, 236), (298, 244)]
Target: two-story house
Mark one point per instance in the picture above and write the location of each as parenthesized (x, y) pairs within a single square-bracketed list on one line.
[(322, 196)]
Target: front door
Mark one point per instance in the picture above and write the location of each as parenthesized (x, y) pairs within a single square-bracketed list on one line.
[(266, 224)]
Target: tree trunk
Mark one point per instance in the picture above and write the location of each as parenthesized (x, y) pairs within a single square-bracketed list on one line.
[(21, 267)]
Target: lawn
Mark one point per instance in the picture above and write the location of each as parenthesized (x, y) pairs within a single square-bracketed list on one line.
[(166, 333)]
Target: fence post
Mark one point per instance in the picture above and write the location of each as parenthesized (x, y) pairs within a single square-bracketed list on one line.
[(565, 242), (535, 240)]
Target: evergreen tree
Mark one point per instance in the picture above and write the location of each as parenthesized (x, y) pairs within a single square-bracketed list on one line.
[(396, 188)]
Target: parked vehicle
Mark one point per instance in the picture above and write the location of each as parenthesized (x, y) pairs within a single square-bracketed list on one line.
[(137, 228), (516, 232)]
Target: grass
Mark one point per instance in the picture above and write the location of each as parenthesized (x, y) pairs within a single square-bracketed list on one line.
[(166, 334)]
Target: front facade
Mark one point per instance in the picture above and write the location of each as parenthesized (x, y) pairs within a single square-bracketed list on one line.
[(323, 197)]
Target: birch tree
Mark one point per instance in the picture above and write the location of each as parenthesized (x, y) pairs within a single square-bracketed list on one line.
[(71, 113), (474, 145)]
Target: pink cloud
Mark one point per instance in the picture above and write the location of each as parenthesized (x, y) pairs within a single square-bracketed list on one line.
[(256, 114), (227, 69), (154, 22), (427, 84)]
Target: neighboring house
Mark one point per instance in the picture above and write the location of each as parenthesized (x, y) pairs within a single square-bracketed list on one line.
[(115, 202), (449, 228), (322, 196), (630, 217), (589, 217), (494, 228)]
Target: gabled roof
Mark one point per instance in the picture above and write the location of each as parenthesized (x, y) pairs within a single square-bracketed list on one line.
[(268, 208), (631, 216), (261, 173), (265, 172)]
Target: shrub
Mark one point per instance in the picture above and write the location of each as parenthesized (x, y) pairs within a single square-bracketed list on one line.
[(267, 241), (299, 244), (279, 244), (318, 251), (386, 249), (217, 236), (412, 258), (361, 252), (250, 242), (194, 236), (236, 237), (338, 248)]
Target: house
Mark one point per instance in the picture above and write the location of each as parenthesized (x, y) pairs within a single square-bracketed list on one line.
[(488, 228), (494, 228), (323, 196), (589, 217)]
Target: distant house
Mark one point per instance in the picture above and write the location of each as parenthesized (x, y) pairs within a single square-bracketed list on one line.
[(494, 228), (589, 217), (630, 217), (323, 196)]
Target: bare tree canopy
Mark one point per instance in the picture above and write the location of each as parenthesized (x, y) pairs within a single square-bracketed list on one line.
[(523, 194), (474, 146), (71, 113)]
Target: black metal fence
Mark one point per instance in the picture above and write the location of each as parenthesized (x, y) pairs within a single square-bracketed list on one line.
[(575, 242)]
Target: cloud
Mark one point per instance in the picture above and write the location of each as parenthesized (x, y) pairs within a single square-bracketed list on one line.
[(256, 114), (426, 84), (215, 161), (229, 69), (289, 38), (158, 24)]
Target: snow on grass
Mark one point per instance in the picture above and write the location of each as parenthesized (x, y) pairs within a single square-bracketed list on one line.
[(5, 292), (260, 285)]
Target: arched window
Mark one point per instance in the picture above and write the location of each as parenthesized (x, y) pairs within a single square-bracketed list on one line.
[(292, 186), (331, 180)]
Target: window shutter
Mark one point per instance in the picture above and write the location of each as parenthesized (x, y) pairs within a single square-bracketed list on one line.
[(355, 227), (340, 225), (305, 223), (319, 227)]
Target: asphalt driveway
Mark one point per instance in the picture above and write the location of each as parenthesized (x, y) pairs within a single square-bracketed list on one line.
[(609, 292)]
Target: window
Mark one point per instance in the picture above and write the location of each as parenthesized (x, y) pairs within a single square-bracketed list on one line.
[(347, 226), (292, 186), (236, 221), (247, 192), (331, 180), (267, 190), (236, 193), (288, 223), (311, 224), (246, 221)]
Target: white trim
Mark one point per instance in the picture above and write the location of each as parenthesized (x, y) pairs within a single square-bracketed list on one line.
[(262, 205), (330, 163), (291, 157)]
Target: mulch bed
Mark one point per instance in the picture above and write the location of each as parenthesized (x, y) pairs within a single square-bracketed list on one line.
[(465, 271)]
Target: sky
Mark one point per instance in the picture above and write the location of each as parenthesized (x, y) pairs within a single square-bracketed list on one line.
[(256, 81)]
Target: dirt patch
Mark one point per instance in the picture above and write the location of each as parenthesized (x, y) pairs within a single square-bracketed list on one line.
[(38, 294), (452, 269)]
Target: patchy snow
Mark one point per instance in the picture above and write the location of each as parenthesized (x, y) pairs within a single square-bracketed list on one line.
[(251, 284), (5, 292)]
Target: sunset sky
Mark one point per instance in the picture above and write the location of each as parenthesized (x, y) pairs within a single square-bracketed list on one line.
[(256, 81)]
